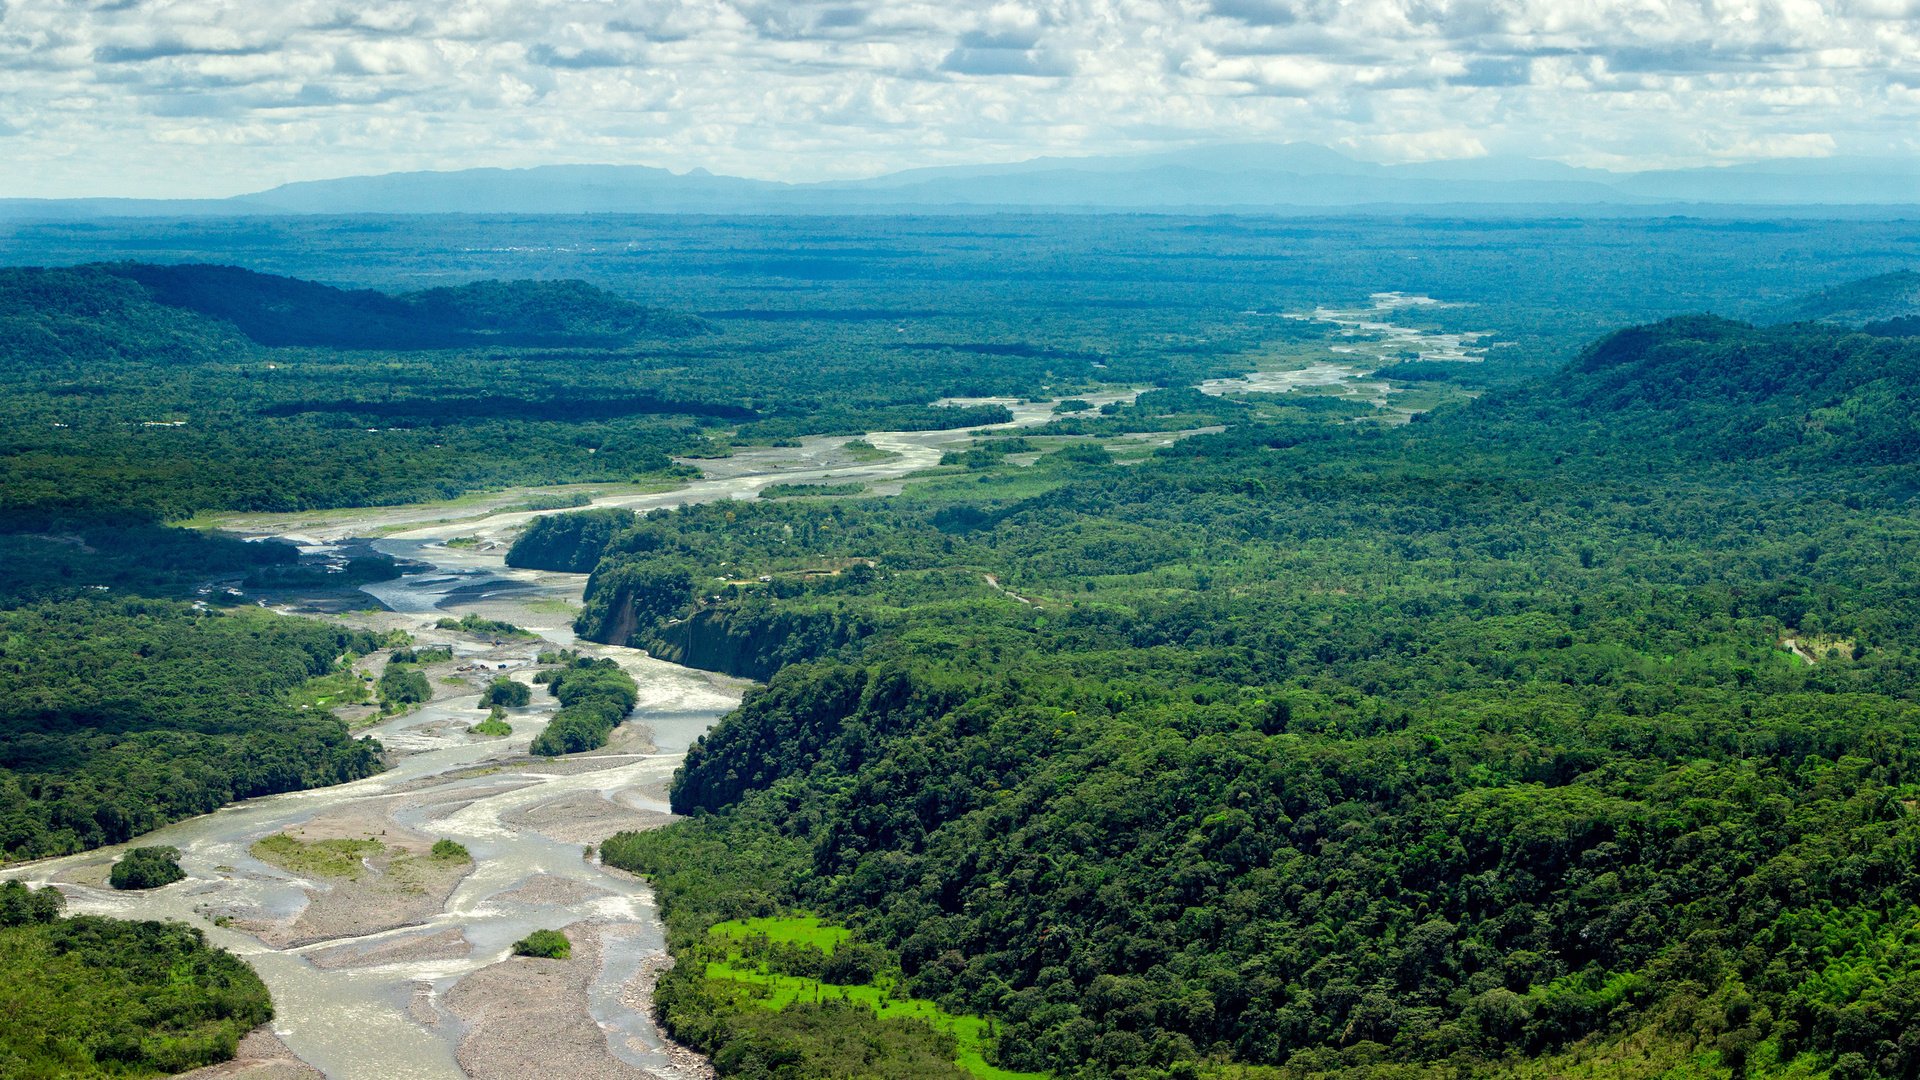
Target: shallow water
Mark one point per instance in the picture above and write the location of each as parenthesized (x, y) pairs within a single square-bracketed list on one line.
[(352, 1023), (1371, 340), (355, 1023)]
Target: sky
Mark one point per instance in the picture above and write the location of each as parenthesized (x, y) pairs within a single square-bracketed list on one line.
[(171, 98)]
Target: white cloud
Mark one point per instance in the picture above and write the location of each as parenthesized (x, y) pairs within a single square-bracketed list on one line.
[(181, 97)]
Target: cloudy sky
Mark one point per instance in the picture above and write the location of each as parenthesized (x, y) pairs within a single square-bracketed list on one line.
[(216, 97)]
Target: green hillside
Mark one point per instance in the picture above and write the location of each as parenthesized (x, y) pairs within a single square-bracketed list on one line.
[(1706, 388), (88, 997), (1874, 299), (1478, 746)]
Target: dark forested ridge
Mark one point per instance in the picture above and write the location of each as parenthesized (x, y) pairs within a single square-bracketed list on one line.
[(273, 310), (157, 391), (1853, 303), (1706, 388), (1572, 730), (160, 391)]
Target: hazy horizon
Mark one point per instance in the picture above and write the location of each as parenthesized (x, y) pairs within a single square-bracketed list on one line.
[(211, 98), (1221, 177)]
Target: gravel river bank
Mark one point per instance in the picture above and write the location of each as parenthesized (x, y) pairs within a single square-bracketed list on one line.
[(404, 970)]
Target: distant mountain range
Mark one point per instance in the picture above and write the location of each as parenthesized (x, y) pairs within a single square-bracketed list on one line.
[(1290, 177)]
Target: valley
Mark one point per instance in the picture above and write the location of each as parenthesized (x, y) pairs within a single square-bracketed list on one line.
[(1163, 540), (1140, 707), (356, 997)]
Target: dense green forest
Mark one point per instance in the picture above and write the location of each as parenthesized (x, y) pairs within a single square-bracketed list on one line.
[(595, 696), (63, 555), (1576, 725), (88, 997), (1569, 731), (119, 716), (124, 381), (651, 337)]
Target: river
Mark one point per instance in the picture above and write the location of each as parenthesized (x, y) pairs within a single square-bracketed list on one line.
[(367, 1000), (1369, 340), (356, 996)]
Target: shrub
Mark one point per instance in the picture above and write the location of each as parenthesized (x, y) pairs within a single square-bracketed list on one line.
[(549, 944), (594, 696), (433, 654), (474, 624), (854, 965)]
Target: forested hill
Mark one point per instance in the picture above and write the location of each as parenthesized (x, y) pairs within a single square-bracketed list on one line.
[(1868, 300), (1699, 387), (117, 717), (161, 391), (52, 320), (273, 310), (1525, 741)]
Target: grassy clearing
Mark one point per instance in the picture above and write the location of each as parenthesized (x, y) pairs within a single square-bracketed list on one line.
[(330, 691), (778, 991), (322, 858), (551, 606), (1820, 647), (804, 930), (769, 990)]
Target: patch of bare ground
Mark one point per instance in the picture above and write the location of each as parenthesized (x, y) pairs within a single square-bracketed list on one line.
[(452, 802), (400, 884), (92, 875), (420, 1007), (652, 791), (583, 818), (527, 1016), (631, 737), (575, 764), (260, 1056), (442, 945), (545, 889)]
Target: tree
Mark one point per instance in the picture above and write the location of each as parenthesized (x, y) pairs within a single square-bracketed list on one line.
[(147, 868), (24, 906), (506, 692)]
